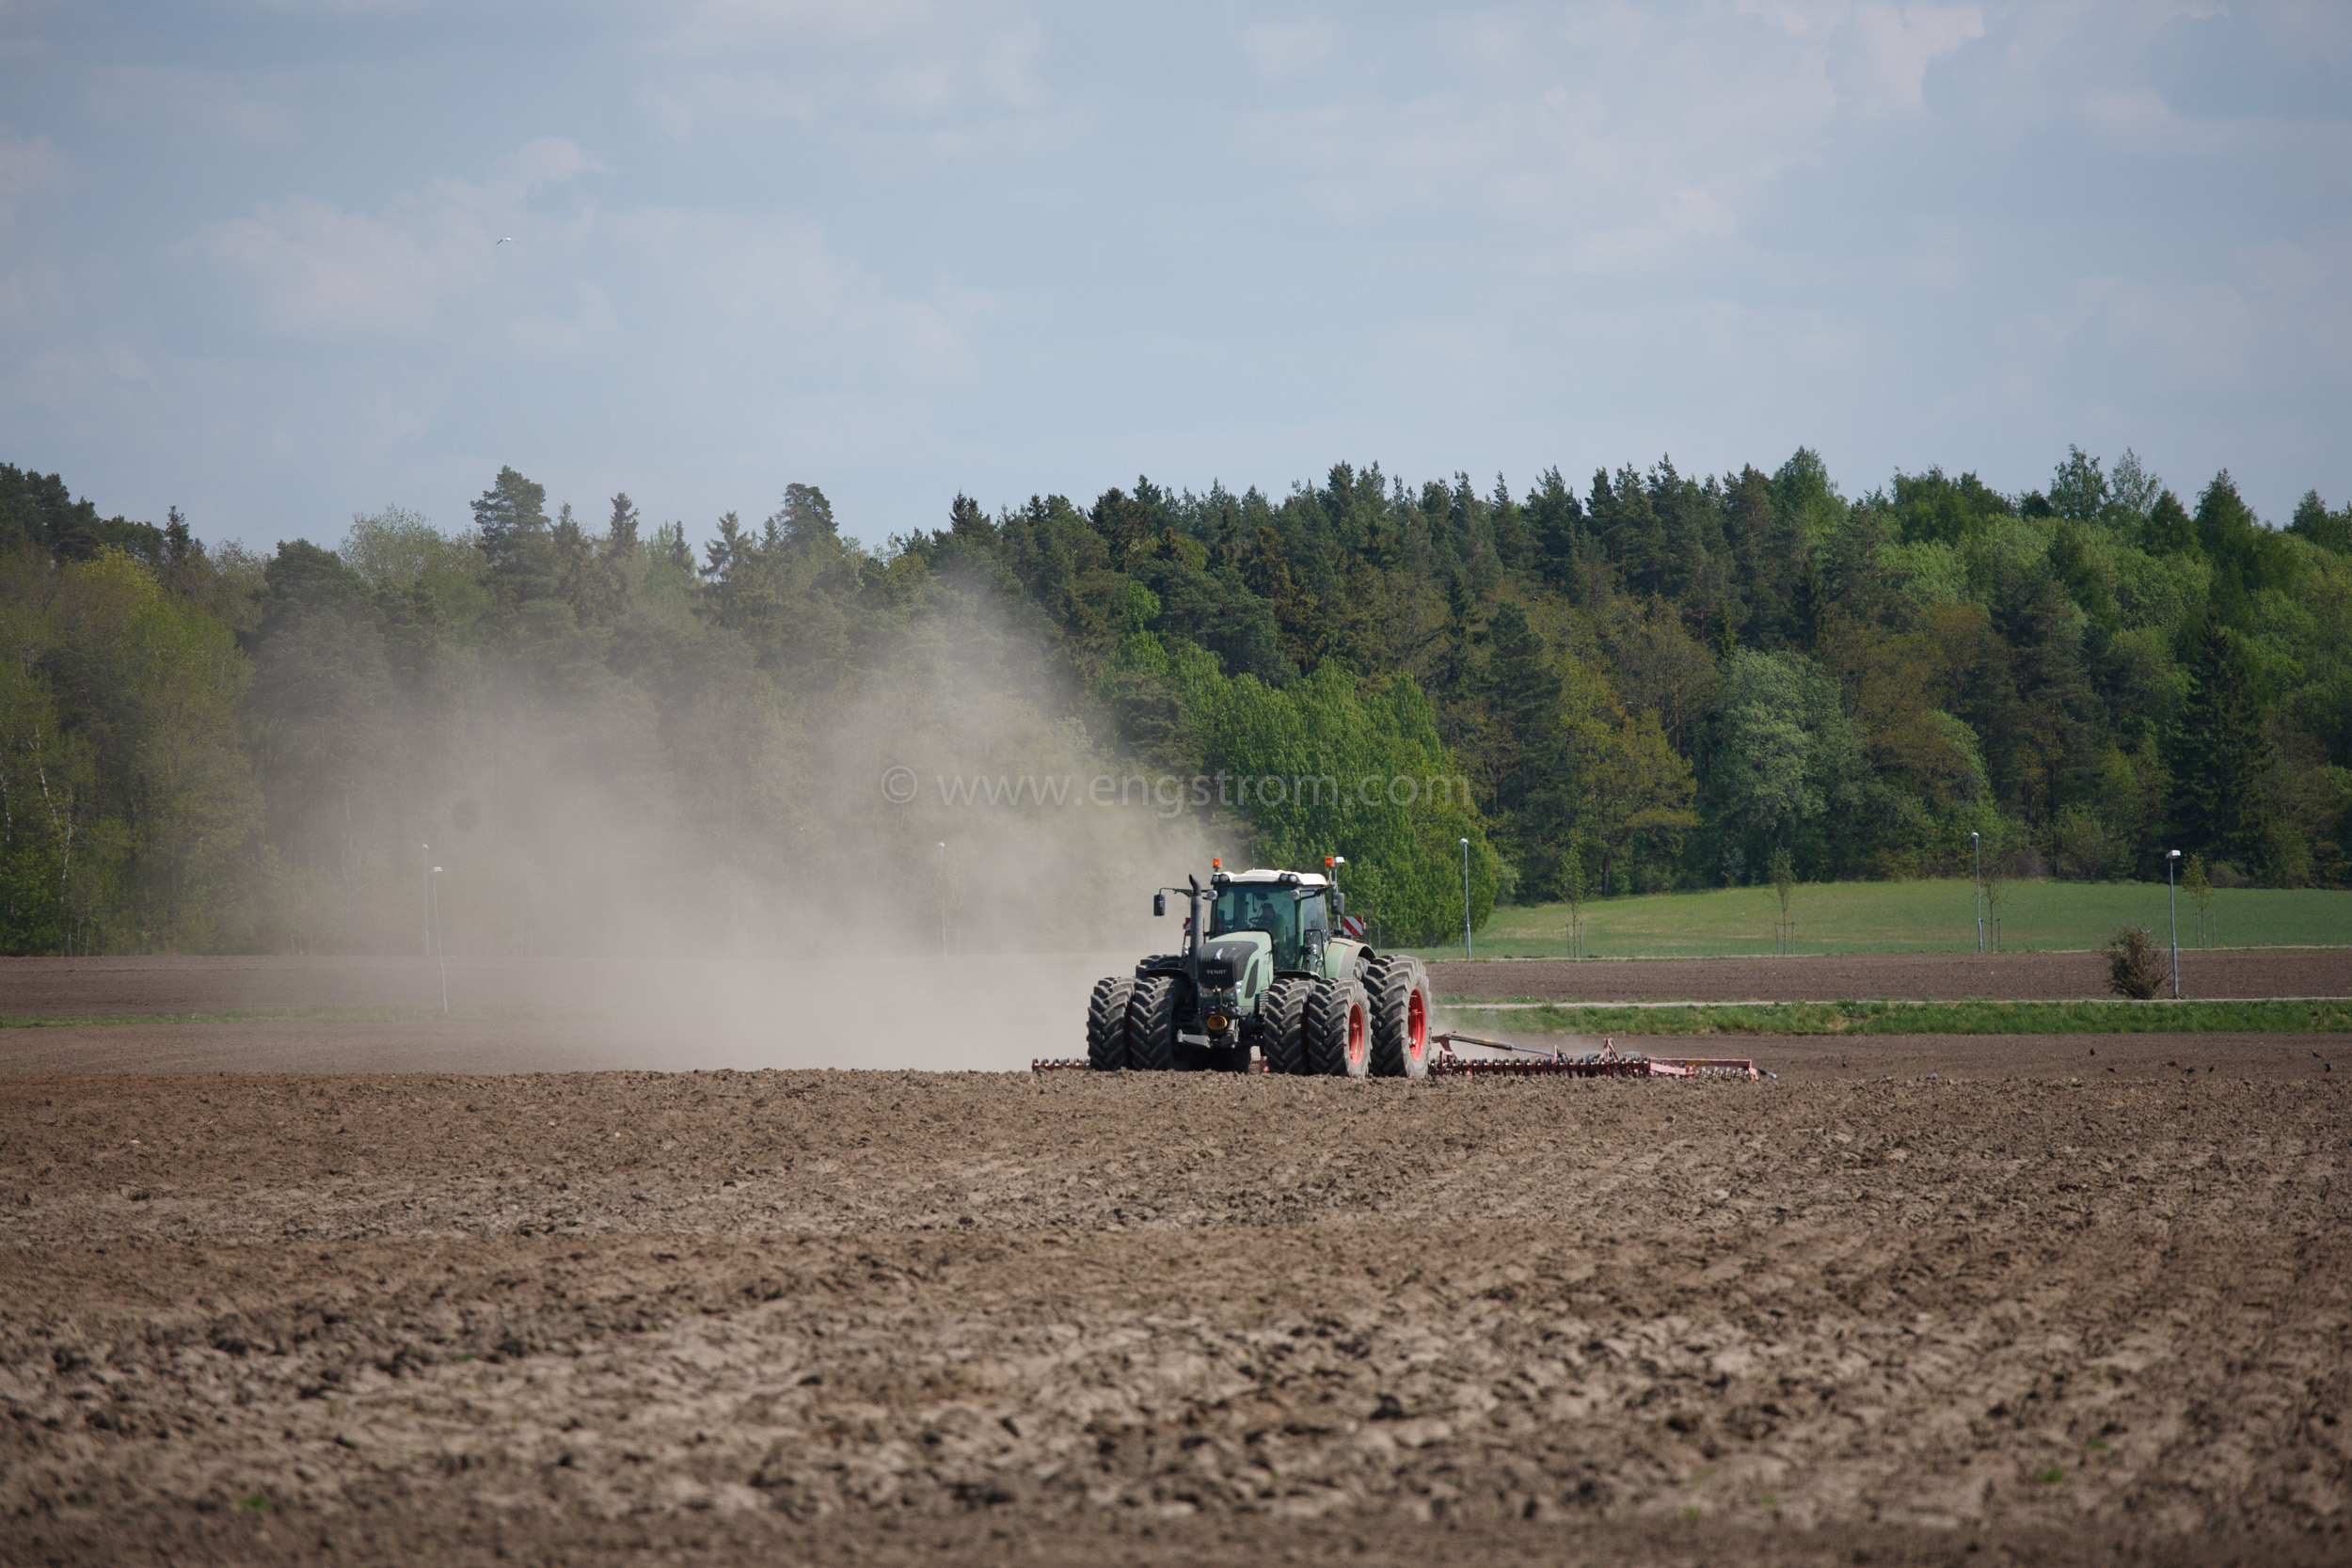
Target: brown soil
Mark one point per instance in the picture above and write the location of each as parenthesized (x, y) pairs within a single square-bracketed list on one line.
[(72, 987), (2027, 1309), (2238, 973)]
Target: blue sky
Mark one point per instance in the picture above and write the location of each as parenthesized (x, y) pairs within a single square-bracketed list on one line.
[(248, 261)]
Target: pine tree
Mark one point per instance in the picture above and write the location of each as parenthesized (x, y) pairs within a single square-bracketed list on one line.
[(2232, 539), (2169, 530), (1525, 702), (2329, 530), (2220, 754), (511, 523), (804, 521), (620, 532)]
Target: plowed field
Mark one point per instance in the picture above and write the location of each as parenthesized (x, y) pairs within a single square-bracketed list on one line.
[(2025, 1309)]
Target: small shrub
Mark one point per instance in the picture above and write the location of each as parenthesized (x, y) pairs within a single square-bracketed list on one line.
[(2133, 968), (2051, 1477)]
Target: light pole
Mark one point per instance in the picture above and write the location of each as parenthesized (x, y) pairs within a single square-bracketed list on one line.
[(433, 890), (1978, 841), (2172, 860), (428, 900), (942, 898), (1466, 933)]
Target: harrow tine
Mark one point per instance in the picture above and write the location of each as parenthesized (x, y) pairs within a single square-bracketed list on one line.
[(1531, 1061)]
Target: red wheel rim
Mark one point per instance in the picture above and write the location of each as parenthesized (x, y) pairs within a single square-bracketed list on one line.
[(1416, 1026), (1355, 1034)]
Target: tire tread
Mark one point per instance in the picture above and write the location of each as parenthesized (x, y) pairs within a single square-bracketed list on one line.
[(1106, 1023), (1282, 1025), (1328, 1009), (1390, 986), (1152, 1024)]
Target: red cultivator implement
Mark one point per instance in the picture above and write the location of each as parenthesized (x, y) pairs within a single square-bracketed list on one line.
[(1531, 1061)]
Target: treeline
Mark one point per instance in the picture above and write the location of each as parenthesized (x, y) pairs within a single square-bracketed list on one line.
[(1658, 682), (1663, 681)]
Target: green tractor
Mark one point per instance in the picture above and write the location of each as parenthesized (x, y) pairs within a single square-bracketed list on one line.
[(1268, 970)]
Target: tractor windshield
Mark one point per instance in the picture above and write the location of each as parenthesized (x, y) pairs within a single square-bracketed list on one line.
[(1260, 907)]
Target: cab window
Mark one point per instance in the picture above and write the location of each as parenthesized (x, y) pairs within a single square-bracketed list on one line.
[(1314, 915), (1259, 907)]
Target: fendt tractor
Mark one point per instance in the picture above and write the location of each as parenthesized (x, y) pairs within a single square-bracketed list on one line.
[(1267, 971)]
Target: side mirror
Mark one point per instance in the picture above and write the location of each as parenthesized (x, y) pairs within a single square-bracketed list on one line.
[(1338, 902), (1159, 903)]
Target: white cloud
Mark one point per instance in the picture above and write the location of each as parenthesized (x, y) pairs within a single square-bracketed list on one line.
[(1887, 50), (2265, 347), (721, 25), (316, 270), (2308, 28), (680, 103), (2280, 316), (728, 61), (1606, 138), (312, 269), (343, 8), (770, 294), (918, 87), (27, 169), (544, 335), (1287, 49), (183, 98), (33, 297), (1678, 219), (1005, 67), (73, 377), (546, 160)]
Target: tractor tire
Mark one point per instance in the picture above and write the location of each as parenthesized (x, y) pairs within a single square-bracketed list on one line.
[(1106, 1023), (1398, 989), (1282, 1025), (1152, 1024), (1338, 1029)]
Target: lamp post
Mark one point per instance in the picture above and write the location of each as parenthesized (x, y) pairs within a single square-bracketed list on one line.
[(942, 898), (433, 891), (2171, 897), (1466, 931), (1978, 841)]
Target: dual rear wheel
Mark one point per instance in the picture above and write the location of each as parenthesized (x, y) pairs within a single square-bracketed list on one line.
[(1398, 989), (1132, 1023), (1370, 1024), (1373, 1023)]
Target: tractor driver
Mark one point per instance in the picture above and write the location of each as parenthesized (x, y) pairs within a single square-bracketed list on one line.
[(1261, 908)]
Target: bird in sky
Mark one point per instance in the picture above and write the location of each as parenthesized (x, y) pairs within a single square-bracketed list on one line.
[(509, 240)]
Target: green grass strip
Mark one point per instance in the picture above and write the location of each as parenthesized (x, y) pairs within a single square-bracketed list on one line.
[(1922, 1018), (1921, 916)]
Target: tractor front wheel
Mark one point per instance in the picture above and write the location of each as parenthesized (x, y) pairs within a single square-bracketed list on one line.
[(1106, 1023), (1338, 1029), (1152, 1024)]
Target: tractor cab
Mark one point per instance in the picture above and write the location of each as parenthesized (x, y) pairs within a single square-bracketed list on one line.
[(1292, 911)]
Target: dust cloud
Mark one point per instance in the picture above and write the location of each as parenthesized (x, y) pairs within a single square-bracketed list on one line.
[(691, 857)]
